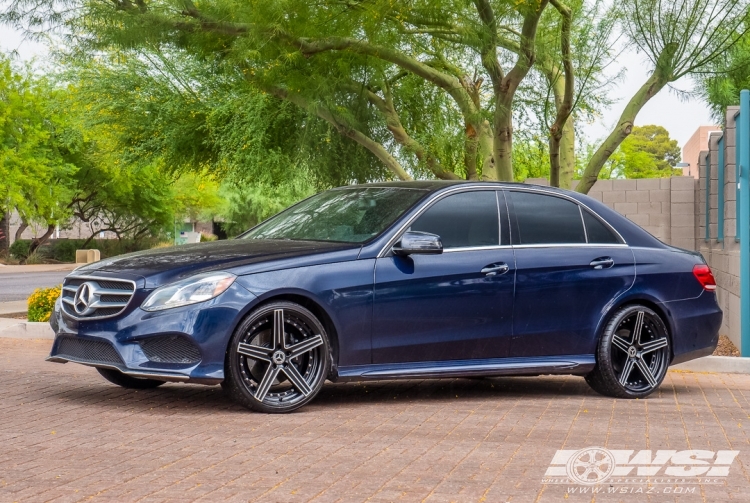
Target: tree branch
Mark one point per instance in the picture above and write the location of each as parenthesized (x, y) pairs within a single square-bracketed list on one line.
[(346, 130), (394, 125)]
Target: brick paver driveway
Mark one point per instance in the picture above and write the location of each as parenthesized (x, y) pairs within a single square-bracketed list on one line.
[(67, 435)]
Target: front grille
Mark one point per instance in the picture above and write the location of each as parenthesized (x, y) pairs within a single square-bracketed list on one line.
[(100, 298), (170, 349), (88, 351)]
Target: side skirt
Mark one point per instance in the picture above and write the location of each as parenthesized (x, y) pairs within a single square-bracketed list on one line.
[(569, 364)]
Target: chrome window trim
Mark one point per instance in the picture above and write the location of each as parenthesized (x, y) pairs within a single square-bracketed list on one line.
[(465, 188), (574, 245), (583, 224), (97, 278), (476, 248), (435, 198)]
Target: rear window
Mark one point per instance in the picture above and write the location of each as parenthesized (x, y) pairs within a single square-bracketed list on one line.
[(597, 231), (544, 219)]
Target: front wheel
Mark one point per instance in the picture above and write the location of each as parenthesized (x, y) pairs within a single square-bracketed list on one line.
[(278, 358), (633, 354)]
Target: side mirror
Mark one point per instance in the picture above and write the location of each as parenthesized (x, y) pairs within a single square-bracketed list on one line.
[(423, 243)]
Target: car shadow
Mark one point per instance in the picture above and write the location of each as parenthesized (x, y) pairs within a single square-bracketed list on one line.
[(176, 398), (450, 389)]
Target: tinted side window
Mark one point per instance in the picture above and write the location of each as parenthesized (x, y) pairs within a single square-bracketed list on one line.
[(596, 231), (464, 219), (546, 219)]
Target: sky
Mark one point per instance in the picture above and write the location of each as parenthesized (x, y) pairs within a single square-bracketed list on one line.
[(681, 118), (668, 108)]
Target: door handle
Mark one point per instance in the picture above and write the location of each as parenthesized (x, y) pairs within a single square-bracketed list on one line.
[(495, 269), (602, 263)]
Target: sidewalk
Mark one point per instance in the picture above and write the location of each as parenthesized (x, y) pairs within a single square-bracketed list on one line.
[(20, 269), (13, 306), (20, 329)]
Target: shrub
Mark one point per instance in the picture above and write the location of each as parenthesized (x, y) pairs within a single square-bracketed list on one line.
[(35, 258), (42, 303), (64, 250), (19, 250)]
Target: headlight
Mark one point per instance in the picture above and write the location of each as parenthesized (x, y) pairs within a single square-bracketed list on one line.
[(198, 288)]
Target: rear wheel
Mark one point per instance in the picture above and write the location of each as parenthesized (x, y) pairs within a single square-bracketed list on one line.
[(633, 354), (126, 381), (278, 358)]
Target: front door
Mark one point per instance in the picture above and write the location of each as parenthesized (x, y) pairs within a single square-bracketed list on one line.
[(453, 306), (570, 268)]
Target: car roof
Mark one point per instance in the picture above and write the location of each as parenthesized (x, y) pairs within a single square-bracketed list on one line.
[(435, 185)]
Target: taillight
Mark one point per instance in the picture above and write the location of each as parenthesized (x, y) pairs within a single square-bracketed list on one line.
[(704, 276)]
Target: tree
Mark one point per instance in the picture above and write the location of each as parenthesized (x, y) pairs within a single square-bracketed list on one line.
[(31, 165), (411, 83), (679, 39), (350, 64), (245, 207), (727, 76), (649, 152)]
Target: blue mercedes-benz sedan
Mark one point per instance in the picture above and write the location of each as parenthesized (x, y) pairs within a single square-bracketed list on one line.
[(396, 281)]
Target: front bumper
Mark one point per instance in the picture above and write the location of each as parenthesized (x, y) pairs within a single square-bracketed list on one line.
[(186, 344)]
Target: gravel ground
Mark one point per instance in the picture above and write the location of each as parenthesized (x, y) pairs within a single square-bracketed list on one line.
[(726, 348)]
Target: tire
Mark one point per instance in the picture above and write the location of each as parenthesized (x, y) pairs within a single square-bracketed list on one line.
[(633, 354), (126, 381), (273, 370)]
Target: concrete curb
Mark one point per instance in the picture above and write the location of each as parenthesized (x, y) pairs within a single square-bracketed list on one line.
[(19, 329), (20, 269), (718, 364)]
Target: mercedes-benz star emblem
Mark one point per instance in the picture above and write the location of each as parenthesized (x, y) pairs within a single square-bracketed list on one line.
[(83, 299)]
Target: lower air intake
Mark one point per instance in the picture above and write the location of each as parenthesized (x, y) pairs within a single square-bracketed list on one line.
[(88, 351), (170, 349)]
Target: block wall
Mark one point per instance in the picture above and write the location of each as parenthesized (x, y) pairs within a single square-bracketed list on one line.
[(721, 253)]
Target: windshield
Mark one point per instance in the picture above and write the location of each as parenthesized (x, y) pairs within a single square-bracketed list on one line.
[(346, 215)]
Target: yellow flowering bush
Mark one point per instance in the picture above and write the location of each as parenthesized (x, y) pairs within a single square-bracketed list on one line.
[(42, 303)]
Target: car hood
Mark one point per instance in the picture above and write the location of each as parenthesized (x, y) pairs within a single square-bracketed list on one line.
[(241, 256)]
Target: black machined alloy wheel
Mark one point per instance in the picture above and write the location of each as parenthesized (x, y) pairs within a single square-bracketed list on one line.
[(278, 358), (633, 354)]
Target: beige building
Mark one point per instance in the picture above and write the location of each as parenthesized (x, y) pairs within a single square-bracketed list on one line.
[(695, 145)]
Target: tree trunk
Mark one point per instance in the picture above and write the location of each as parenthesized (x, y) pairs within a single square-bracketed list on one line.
[(470, 152), (19, 232), (485, 151), (37, 242), (90, 238), (4, 234), (563, 97), (503, 144), (653, 85), (661, 76), (568, 154)]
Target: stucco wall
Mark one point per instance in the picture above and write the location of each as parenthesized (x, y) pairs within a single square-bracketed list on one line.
[(722, 255)]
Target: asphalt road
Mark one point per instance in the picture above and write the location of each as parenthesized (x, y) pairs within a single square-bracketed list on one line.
[(18, 286)]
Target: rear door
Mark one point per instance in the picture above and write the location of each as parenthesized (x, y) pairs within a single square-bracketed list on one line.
[(570, 267)]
